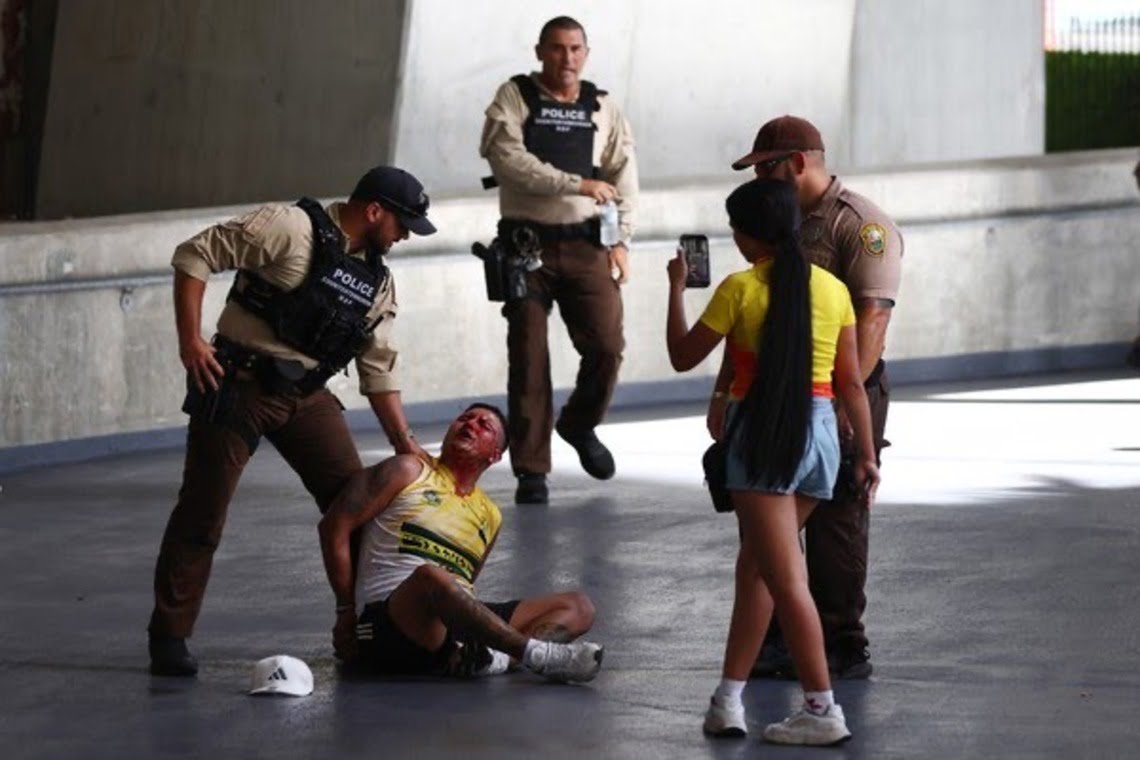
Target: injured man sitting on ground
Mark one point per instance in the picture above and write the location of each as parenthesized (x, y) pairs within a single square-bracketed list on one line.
[(426, 529)]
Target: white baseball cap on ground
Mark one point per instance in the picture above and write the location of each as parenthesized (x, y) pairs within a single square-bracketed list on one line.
[(281, 674)]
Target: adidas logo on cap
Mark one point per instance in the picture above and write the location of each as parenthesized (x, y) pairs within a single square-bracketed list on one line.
[(281, 674)]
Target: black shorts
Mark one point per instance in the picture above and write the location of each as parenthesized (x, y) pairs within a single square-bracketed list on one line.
[(383, 648)]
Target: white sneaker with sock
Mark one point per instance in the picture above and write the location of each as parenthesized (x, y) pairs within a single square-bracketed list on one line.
[(804, 727), (725, 719), (576, 662)]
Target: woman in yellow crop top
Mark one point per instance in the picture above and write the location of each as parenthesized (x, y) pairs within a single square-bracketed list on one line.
[(789, 327)]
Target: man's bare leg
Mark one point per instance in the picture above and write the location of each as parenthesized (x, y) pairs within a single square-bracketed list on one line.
[(431, 602), (554, 617)]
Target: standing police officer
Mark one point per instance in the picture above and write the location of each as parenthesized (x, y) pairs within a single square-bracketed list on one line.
[(558, 147), (852, 238), (311, 294)]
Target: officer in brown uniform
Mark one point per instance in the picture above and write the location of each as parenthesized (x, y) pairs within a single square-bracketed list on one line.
[(311, 294), (852, 238), (558, 148)]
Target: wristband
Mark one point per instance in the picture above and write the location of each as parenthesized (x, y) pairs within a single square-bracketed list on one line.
[(345, 608)]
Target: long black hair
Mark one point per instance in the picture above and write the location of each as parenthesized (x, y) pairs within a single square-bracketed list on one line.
[(776, 411)]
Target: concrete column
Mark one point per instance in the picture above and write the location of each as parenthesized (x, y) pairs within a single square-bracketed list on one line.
[(938, 81), (159, 105)]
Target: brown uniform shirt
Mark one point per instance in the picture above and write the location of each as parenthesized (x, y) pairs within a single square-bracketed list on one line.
[(856, 241), (532, 189), (276, 242)]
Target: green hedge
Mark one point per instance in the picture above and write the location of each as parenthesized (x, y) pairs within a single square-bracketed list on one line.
[(1092, 100)]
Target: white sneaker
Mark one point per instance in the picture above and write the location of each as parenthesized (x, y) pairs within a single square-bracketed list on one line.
[(804, 727), (576, 662), (725, 720)]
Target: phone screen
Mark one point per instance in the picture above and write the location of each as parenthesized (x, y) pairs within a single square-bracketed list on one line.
[(696, 251)]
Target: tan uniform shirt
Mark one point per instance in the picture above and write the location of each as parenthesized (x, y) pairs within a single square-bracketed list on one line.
[(276, 242), (855, 240), (532, 189)]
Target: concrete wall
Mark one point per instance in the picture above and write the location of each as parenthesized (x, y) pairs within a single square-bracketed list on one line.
[(695, 84), (1001, 257), (159, 105), (938, 81), (183, 103), (889, 82)]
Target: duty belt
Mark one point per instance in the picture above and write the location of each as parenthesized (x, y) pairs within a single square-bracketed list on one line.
[(588, 230), (276, 375)]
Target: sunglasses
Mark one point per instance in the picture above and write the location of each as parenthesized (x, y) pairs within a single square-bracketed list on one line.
[(771, 163), (420, 209)]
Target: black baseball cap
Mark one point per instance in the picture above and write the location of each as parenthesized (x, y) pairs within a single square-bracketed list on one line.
[(399, 192)]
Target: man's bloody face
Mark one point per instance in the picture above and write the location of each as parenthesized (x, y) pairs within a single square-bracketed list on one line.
[(477, 434)]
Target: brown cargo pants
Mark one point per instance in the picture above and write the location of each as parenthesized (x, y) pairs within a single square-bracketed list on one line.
[(312, 436), (837, 541), (576, 275)]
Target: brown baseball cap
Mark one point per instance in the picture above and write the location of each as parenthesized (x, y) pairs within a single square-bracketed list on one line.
[(780, 135)]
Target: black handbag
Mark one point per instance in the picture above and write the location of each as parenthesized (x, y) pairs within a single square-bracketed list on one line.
[(715, 464)]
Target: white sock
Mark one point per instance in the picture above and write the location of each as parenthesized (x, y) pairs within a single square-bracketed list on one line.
[(818, 702), (500, 663), (729, 691)]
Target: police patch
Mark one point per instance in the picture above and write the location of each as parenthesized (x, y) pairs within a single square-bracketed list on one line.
[(874, 239)]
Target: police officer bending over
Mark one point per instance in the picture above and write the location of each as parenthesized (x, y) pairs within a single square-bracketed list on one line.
[(561, 152), (311, 294)]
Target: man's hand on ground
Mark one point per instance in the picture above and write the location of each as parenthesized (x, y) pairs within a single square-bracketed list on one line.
[(344, 635)]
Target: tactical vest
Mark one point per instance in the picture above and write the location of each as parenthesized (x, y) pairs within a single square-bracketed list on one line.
[(326, 316), (561, 134)]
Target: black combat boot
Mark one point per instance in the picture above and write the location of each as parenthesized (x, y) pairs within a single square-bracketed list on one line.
[(532, 489), (596, 459), (170, 657)]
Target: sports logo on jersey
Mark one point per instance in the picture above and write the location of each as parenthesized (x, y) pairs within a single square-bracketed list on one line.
[(421, 542), (874, 238)]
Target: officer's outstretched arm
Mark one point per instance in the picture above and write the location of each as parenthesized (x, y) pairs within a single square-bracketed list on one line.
[(389, 412)]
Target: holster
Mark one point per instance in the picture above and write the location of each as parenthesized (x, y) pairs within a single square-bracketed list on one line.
[(279, 376), (213, 406)]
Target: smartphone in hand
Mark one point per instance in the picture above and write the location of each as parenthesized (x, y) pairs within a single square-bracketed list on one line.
[(696, 252)]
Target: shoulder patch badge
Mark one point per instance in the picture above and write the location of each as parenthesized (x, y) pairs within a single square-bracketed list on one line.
[(874, 239)]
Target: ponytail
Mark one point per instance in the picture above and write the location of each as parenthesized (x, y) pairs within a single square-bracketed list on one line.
[(776, 411)]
